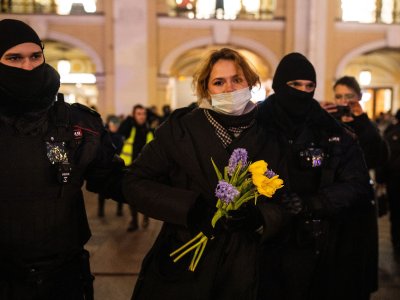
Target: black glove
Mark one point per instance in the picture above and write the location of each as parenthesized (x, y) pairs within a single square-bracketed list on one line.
[(248, 217), (292, 203), (200, 216), (320, 206)]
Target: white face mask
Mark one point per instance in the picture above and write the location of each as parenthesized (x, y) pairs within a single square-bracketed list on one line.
[(232, 103)]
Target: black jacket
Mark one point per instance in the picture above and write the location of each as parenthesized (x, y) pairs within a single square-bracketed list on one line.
[(375, 149), (392, 136), (42, 217), (172, 172), (331, 247)]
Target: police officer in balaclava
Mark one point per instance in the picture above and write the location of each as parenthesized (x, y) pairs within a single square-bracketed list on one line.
[(294, 85), (27, 83), (326, 182), (48, 150)]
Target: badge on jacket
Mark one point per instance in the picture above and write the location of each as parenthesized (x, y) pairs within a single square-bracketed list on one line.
[(58, 155)]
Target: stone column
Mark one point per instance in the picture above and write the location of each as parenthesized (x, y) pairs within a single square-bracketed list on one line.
[(131, 59)]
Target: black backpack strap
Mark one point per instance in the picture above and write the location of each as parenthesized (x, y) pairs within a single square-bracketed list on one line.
[(61, 119)]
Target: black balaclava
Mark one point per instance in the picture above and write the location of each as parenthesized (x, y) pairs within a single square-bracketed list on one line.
[(23, 91), (293, 66), (14, 32)]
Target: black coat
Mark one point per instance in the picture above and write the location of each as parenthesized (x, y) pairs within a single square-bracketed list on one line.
[(392, 136), (41, 217), (331, 247), (376, 150), (170, 174)]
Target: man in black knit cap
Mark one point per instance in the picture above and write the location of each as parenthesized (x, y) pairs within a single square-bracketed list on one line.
[(48, 149), (328, 250)]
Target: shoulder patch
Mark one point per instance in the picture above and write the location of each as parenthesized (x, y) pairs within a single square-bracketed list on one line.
[(86, 108)]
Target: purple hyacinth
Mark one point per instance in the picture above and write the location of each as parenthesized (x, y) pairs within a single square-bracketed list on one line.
[(226, 192), (270, 174), (238, 155)]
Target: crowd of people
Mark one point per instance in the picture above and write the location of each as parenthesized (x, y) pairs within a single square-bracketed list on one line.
[(314, 238), (129, 135)]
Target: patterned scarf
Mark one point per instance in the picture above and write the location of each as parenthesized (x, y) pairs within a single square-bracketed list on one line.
[(226, 135)]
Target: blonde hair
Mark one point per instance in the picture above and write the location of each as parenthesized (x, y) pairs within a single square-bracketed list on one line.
[(202, 74)]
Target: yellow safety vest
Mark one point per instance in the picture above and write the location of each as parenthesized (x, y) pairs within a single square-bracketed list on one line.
[(127, 148)]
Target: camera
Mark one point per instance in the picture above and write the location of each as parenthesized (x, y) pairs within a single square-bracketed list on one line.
[(342, 110)]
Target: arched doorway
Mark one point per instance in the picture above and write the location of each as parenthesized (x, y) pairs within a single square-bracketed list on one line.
[(77, 71), (381, 90)]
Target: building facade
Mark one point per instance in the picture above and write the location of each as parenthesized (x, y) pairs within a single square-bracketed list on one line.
[(146, 51)]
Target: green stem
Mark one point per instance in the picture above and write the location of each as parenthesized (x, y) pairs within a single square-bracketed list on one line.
[(203, 246), (199, 236), (195, 254), (216, 217), (187, 251)]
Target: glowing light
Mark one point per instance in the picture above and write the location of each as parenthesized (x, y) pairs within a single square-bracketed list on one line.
[(366, 97), (365, 77), (63, 67), (78, 78)]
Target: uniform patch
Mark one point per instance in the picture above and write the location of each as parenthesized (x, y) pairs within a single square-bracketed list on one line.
[(78, 133), (334, 139)]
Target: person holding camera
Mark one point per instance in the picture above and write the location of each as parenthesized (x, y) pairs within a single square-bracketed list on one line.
[(323, 252), (348, 110)]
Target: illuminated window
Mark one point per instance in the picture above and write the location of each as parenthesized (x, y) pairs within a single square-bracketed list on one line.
[(205, 9), (358, 10), (367, 11), (222, 9), (64, 6), (251, 6), (387, 11)]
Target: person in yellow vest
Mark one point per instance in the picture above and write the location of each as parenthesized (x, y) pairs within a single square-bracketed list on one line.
[(136, 133)]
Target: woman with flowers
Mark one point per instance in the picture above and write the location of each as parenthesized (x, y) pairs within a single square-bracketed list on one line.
[(209, 175)]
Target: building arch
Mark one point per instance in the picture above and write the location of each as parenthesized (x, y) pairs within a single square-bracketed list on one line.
[(94, 56), (265, 53), (357, 52)]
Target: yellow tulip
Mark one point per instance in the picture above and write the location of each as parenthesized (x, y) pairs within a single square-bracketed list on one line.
[(258, 167), (276, 182), (267, 186), (258, 179)]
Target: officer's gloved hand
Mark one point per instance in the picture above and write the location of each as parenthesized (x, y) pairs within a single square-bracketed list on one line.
[(247, 217), (200, 216), (292, 203), (320, 206)]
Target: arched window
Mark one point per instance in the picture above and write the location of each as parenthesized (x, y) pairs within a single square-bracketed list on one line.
[(370, 11)]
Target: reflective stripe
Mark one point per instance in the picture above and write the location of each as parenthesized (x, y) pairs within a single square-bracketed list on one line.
[(127, 149)]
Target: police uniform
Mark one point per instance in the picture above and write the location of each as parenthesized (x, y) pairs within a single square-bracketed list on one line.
[(328, 249), (49, 148)]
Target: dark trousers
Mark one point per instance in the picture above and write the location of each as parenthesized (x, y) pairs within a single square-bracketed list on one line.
[(101, 201), (134, 214), (47, 280)]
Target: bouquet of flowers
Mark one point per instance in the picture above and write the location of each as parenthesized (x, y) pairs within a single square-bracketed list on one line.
[(239, 183)]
